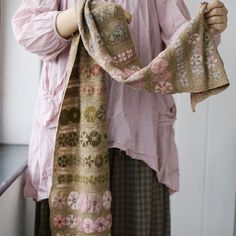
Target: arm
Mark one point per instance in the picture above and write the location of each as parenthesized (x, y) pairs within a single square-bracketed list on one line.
[(66, 23), (34, 26)]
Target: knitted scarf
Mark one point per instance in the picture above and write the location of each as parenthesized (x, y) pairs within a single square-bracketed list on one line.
[(80, 198)]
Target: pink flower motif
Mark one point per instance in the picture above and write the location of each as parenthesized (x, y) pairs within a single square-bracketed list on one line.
[(100, 90), (83, 202), (96, 70), (135, 68), (88, 90), (129, 53), (94, 203), (158, 66), (71, 221), (80, 224), (166, 75), (129, 72), (138, 81), (59, 200), (100, 224), (108, 221), (163, 87), (117, 74), (106, 60), (211, 62), (88, 226), (72, 200), (85, 71), (140, 84), (106, 199), (194, 39), (59, 221), (122, 57)]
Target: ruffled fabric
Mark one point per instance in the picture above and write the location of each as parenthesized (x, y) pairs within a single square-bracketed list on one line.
[(34, 26)]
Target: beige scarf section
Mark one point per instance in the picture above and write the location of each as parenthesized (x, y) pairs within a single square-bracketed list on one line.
[(80, 198)]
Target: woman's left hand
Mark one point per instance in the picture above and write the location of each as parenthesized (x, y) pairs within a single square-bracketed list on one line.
[(216, 16)]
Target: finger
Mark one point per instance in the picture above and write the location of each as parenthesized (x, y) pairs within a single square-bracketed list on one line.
[(214, 4), (218, 27), (217, 12), (216, 20), (128, 16)]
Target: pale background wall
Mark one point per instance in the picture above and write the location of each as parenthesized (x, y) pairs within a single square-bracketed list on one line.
[(205, 205), (19, 78), (16, 212)]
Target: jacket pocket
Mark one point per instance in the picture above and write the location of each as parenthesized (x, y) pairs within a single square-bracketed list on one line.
[(167, 114)]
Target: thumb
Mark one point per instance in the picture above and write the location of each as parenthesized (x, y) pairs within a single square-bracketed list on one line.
[(128, 16)]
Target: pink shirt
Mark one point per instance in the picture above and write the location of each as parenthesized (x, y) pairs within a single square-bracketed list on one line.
[(138, 122)]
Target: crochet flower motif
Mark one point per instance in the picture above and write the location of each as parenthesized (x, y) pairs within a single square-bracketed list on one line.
[(59, 221), (159, 66), (100, 224), (72, 139), (86, 72), (62, 161), (59, 200), (73, 200), (95, 138), (106, 199), (211, 62), (117, 74), (163, 87), (96, 70), (106, 60), (162, 75), (94, 203), (74, 114), (90, 114), (88, 226), (88, 90), (194, 39), (98, 161), (84, 139), (71, 221), (129, 72)]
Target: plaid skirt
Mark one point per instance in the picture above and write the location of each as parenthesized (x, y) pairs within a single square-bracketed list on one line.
[(140, 204)]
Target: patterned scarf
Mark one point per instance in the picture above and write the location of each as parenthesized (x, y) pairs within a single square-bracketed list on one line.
[(80, 198)]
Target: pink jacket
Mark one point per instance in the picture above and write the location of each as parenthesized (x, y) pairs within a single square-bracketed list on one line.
[(138, 122)]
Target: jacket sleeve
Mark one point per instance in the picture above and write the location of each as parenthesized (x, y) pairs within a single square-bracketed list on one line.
[(173, 15), (34, 26)]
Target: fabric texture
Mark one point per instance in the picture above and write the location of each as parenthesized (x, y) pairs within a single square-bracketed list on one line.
[(140, 204), (81, 168), (42, 216)]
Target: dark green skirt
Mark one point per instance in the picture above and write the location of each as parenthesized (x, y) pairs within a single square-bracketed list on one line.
[(140, 204)]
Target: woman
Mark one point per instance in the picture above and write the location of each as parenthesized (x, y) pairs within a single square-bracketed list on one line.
[(143, 155)]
